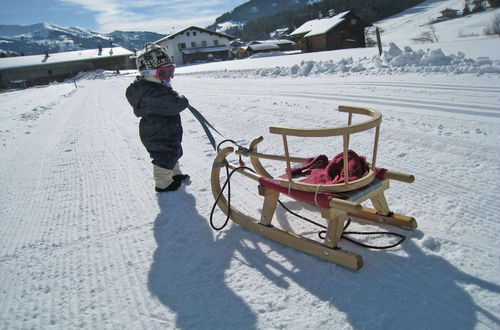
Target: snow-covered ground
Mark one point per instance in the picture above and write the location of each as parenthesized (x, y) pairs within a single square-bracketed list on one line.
[(85, 242)]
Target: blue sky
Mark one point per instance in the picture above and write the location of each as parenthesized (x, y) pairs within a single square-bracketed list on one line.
[(109, 15)]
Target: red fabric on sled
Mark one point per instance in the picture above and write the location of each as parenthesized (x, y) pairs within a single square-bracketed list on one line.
[(319, 170), (322, 199)]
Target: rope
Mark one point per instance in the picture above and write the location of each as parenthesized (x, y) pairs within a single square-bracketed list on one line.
[(322, 233), (228, 184)]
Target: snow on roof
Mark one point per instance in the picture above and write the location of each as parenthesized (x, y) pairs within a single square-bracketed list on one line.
[(274, 41), (205, 50), (79, 55), (319, 25), (264, 47)]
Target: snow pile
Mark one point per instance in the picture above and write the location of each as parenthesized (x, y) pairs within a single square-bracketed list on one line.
[(394, 60)]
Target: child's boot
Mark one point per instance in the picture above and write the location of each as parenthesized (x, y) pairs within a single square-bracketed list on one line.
[(163, 179), (177, 175)]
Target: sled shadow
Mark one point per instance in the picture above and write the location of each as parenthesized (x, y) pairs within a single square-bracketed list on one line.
[(410, 290), (188, 270)]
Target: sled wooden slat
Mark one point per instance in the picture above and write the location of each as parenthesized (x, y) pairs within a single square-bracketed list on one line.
[(396, 219), (325, 132)]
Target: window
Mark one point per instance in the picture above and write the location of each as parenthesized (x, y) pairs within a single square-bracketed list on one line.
[(187, 33), (49, 71), (353, 22), (193, 44), (194, 33), (216, 42), (181, 45), (204, 43)]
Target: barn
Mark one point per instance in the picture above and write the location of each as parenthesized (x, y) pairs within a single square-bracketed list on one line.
[(335, 31), (26, 71)]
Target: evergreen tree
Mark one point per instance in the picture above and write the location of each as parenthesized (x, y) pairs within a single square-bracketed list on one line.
[(466, 10)]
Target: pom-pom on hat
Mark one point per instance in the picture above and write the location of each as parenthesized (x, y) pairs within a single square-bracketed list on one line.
[(153, 56)]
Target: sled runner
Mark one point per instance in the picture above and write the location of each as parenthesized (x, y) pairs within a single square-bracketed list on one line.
[(338, 199)]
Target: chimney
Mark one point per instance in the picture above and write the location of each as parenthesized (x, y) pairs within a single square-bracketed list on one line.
[(46, 53), (331, 12), (320, 15), (100, 49)]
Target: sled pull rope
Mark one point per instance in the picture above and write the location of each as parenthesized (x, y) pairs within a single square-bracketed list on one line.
[(244, 150), (205, 124), (228, 184), (323, 232)]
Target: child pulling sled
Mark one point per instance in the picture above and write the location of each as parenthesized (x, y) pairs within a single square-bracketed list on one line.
[(159, 106)]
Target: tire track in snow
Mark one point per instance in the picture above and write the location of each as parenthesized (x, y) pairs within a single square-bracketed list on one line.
[(388, 101), (429, 86)]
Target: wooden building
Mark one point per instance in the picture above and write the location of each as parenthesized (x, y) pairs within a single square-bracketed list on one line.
[(344, 30), (449, 13), (26, 71), (195, 44)]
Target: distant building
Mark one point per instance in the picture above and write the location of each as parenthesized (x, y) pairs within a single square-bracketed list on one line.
[(449, 13), (25, 71), (281, 33), (345, 30), (197, 44), (265, 46), (283, 44)]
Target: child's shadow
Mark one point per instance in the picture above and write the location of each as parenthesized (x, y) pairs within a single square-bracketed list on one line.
[(188, 270)]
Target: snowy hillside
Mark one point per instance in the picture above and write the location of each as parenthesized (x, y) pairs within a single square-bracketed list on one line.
[(85, 242), (38, 38), (412, 22)]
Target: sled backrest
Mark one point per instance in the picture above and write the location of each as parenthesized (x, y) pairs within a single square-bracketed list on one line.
[(344, 131)]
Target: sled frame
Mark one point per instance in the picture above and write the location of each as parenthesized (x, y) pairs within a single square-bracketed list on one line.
[(339, 209)]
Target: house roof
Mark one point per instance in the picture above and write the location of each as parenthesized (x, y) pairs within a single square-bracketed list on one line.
[(319, 25), (263, 47), (54, 58), (273, 42), (172, 36)]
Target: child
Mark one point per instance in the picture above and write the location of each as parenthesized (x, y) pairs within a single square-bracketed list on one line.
[(158, 105)]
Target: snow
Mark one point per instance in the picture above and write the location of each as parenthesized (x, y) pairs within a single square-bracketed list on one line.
[(320, 25), (87, 243)]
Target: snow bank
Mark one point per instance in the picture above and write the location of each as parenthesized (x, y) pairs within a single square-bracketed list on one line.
[(393, 60)]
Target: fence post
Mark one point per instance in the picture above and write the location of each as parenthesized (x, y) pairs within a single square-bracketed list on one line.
[(379, 42)]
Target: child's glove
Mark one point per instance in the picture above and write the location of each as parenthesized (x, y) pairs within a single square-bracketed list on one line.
[(185, 98)]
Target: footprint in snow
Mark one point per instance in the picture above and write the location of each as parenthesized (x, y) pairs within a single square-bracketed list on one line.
[(430, 243)]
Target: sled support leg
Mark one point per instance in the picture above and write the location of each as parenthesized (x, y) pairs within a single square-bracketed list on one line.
[(336, 219), (380, 204), (270, 203)]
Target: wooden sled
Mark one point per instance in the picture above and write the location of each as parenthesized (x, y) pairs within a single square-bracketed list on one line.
[(336, 202)]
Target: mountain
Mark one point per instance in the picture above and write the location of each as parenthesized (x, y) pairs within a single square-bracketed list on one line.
[(257, 18), (259, 8), (38, 38)]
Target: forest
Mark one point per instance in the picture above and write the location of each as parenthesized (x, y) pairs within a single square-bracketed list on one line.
[(260, 27)]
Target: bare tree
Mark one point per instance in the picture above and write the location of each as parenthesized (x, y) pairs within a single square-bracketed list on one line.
[(427, 36), (494, 27)]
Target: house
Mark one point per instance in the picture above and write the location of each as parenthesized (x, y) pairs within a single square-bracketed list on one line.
[(449, 13), (283, 44), (25, 71), (195, 44), (265, 46), (344, 30), (281, 33)]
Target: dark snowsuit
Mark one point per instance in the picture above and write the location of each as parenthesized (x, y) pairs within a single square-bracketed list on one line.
[(160, 127)]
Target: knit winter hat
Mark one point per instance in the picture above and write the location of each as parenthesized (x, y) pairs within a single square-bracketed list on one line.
[(153, 56)]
